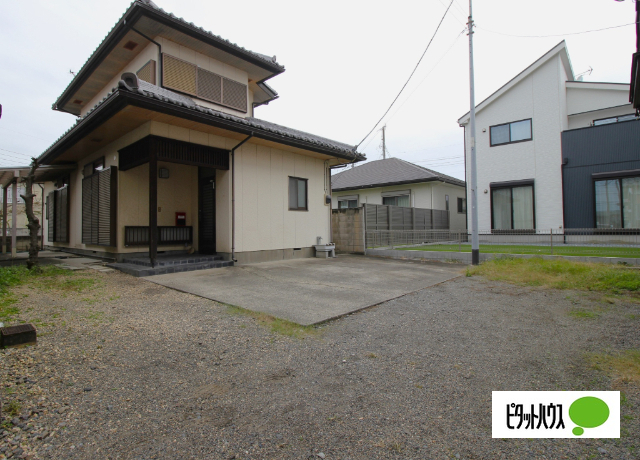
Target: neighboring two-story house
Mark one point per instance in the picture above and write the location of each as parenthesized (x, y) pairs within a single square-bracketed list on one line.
[(167, 154), (396, 182), (522, 132)]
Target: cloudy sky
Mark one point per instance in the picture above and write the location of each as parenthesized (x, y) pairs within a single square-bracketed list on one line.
[(346, 61)]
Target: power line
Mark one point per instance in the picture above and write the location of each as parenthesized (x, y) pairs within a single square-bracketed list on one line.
[(25, 154), (556, 35), (414, 71), (24, 134), (427, 75)]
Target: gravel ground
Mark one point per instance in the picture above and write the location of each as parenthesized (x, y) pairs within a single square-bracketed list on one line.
[(129, 369)]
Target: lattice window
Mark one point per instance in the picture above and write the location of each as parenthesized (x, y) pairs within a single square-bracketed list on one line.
[(99, 202), (209, 86), (179, 75), (234, 94), (148, 72)]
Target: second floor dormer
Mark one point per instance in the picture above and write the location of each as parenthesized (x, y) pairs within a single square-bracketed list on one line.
[(169, 52)]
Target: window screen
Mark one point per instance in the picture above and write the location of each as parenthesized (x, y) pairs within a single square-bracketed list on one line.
[(148, 72), (297, 194), (401, 200)]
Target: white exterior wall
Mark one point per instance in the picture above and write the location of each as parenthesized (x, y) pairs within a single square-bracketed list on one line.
[(186, 54), (428, 195), (539, 97)]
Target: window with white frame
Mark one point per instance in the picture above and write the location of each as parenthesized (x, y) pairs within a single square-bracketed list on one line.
[(509, 133)]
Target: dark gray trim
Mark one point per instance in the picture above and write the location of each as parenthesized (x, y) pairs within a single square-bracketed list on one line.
[(511, 183), (616, 174), (598, 110)]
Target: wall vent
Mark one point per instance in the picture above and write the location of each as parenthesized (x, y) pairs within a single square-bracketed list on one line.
[(130, 45)]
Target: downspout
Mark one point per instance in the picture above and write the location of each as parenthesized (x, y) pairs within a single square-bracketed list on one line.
[(233, 197), (42, 215), (159, 53)]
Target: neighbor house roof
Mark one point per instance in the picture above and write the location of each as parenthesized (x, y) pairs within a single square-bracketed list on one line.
[(163, 100), (560, 48), (146, 17), (392, 171)]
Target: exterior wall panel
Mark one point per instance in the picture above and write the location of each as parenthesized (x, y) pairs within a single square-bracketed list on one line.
[(606, 148)]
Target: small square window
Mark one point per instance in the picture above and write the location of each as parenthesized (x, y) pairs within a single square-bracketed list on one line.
[(462, 205), (297, 194)]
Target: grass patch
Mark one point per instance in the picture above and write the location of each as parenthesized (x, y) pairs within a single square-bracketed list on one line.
[(620, 366), (583, 314), (13, 408), (48, 277), (559, 250), (276, 325), (562, 274)]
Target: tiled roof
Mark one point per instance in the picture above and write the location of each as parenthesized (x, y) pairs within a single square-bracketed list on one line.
[(255, 124), (387, 172), (267, 59)]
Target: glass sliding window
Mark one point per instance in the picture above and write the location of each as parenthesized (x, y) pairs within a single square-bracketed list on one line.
[(297, 194), (522, 199), (502, 209), (500, 135), (512, 208), (344, 204), (608, 209), (402, 200), (520, 130), (631, 202), (507, 133)]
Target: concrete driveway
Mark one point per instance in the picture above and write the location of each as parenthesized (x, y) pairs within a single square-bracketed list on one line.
[(310, 291)]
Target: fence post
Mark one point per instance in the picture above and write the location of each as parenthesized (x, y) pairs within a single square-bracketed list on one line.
[(459, 241), (551, 241)]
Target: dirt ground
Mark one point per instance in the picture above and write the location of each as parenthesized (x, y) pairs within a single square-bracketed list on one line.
[(128, 369)]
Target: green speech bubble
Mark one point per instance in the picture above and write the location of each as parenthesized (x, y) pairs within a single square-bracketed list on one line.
[(588, 412)]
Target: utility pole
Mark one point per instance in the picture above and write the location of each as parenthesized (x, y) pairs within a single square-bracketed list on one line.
[(384, 145), (475, 245)]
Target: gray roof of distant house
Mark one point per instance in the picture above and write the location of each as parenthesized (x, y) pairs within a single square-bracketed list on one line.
[(392, 171), (260, 128)]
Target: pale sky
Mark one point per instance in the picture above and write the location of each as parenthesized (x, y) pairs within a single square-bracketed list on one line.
[(346, 60)]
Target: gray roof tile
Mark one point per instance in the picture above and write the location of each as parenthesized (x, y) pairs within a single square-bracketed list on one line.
[(162, 94), (386, 172)]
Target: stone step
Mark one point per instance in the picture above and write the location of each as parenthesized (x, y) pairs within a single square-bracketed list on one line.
[(141, 270)]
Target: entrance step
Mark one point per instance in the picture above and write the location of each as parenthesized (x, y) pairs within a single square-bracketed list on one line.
[(137, 269)]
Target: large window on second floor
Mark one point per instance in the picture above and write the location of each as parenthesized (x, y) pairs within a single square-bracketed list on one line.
[(618, 202), (509, 133), (190, 79)]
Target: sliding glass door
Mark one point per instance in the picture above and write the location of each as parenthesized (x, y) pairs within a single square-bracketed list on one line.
[(512, 208)]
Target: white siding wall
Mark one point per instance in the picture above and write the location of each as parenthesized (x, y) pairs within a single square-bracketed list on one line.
[(539, 97)]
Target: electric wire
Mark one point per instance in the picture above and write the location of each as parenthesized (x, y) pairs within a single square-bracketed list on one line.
[(414, 71), (557, 35), (18, 153), (24, 134)]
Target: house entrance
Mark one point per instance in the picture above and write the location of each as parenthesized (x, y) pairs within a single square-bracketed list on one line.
[(207, 211)]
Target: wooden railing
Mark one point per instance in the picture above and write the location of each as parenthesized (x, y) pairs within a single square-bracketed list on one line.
[(139, 236)]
